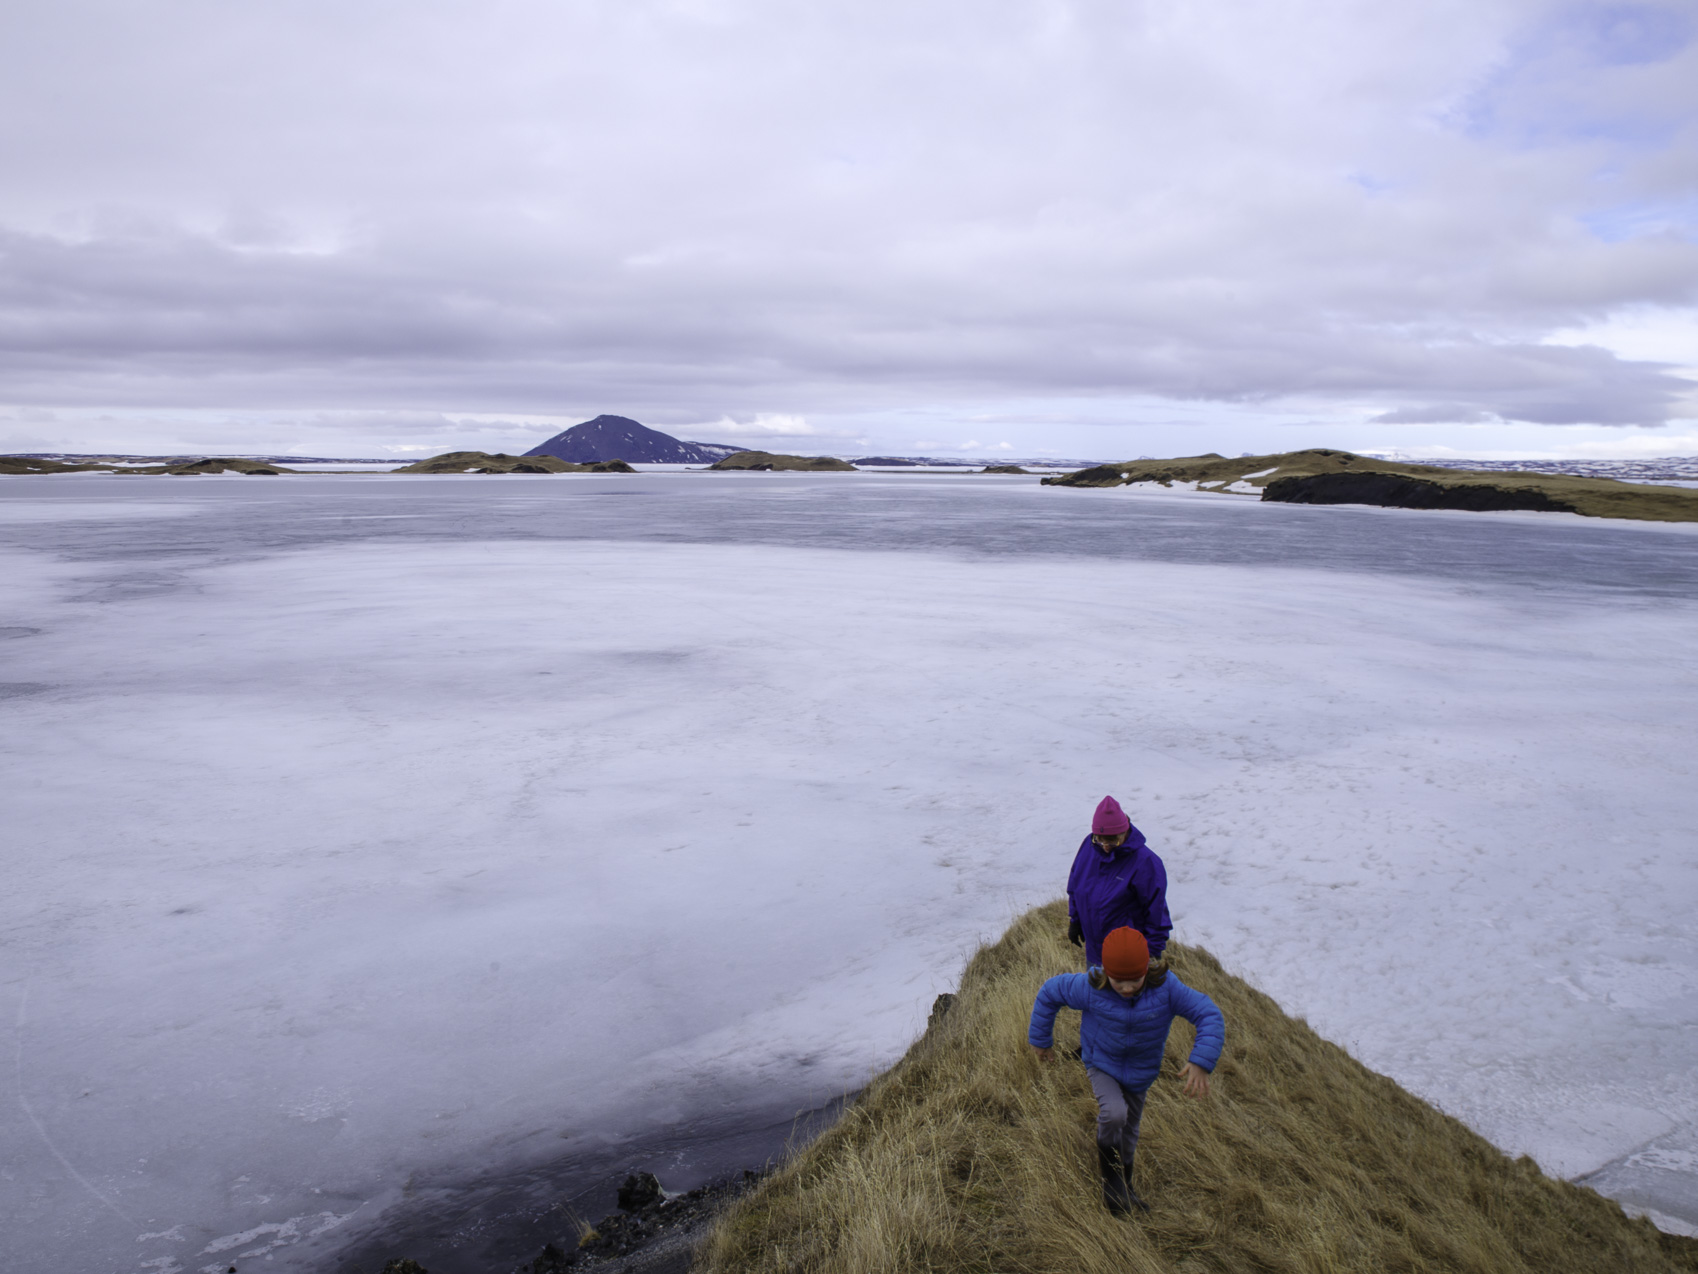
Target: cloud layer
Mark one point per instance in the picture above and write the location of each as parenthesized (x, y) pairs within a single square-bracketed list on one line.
[(689, 210)]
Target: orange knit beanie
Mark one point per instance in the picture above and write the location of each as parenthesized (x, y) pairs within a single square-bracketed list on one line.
[(1126, 956)]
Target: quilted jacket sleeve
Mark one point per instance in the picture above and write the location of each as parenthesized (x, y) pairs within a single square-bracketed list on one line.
[(1064, 990), (1202, 1012)]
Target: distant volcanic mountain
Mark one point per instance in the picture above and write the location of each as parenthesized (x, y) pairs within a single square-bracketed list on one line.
[(620, 438)]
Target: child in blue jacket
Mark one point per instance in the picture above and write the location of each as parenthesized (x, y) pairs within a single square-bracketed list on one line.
[(1127, 1013)]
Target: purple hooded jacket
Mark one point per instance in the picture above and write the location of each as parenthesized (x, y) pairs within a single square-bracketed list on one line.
[(1127, 887)]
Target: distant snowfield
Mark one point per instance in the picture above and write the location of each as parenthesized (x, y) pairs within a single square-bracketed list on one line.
[(347, 866)]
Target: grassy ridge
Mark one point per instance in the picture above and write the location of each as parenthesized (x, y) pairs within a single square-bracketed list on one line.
[(1589, 497), (970, 1155)]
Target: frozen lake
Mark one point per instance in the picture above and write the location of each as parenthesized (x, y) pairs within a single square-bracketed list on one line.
[(367, 833)]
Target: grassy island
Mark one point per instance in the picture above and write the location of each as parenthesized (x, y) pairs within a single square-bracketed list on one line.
[(501, 462), (186, 468), (768, 461), (1321, 475), (970, 1155)]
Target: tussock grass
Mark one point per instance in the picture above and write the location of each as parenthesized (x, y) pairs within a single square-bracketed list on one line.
[(971, 1155)]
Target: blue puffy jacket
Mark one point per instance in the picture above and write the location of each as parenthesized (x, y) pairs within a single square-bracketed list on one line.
[(1125, 887), (1126, 1037)]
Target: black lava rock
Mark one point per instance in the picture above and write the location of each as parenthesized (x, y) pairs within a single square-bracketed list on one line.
[(639, 1190)]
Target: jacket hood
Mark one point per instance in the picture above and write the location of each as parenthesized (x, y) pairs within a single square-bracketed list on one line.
[(1133, 843)]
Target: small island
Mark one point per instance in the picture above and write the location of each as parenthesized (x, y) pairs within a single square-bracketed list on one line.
[(501, 462), (18, 465), (768, 462)]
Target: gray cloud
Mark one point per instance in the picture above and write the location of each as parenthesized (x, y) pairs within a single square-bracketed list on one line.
[(688, 211)]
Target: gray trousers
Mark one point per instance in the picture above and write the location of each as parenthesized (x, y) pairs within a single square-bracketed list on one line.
[(1119, 1112)]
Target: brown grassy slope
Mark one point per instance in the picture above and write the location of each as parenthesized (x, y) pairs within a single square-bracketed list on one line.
[(1590, 497), (772, 460), (970, 1155)]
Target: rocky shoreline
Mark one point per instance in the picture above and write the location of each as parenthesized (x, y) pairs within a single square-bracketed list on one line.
[(655, 1231), (537, 1219)]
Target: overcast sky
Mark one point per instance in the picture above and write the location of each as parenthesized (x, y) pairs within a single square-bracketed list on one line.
[(1102, 228)]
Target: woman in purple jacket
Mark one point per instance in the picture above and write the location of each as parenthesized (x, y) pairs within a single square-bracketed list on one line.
[(1116, 880)]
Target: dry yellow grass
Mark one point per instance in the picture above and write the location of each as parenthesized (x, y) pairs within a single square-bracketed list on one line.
[(970, 1155)]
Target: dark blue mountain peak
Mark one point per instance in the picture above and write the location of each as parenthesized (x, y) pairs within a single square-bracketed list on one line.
[(621, 438)]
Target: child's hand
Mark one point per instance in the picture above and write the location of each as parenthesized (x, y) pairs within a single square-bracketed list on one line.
[(1196, 1080), (1045, 1054)]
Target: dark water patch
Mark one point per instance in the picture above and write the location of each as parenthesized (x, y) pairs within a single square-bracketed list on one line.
[(17, 630), (653, 658), (23, 689), (131, 586)]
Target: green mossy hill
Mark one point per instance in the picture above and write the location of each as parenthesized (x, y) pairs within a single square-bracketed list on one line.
[(219, 464), (972, 1155), (1321, 475), (1214, 471), (33, 464), (212, 464), (1004, 468), (766, 461), (501, 462)]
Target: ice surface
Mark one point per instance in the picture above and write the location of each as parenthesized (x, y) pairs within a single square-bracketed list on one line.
[(377, 830)]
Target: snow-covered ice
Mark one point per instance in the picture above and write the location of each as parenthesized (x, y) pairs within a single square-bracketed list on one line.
[(366, 831)]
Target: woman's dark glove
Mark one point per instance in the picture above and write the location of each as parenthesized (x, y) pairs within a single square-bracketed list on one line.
[(1075, 933)]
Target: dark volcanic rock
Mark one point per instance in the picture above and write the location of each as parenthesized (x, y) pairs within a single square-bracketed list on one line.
[(940, 1009), (1399, 491), (639, 1190), (654, 1234), (621, 438)]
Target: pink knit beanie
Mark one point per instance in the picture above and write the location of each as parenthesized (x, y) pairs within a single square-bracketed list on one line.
[(1110, 819)]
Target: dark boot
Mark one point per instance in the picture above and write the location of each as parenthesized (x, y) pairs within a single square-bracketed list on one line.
[(1117, 1194)]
